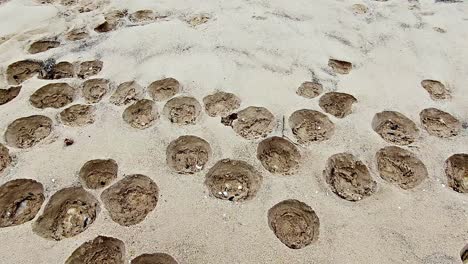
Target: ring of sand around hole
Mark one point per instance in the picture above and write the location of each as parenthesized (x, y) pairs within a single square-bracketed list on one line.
[(164, 89), (182, 110), (69, 212), (5, 158), (131, 199), (294, 223), (233, 180), (278, 155), (252, 122), (400, 167), (53, 95), (127, 93), (20, 71), (26, 132), (6, 95), (221, 104), (188, 154), (155, 258), (456, 170), (20, 201), (94, 89), (141, 114), (395, 128), (439, 123), (311, 126), (98, 173), (337, 104), (100, 250), (78, 115), (348, 177)]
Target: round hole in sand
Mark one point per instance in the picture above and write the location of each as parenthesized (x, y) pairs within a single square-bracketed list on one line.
[(21, 71), (278, 155), (395, 128), (309, 89), (141, 114), (26, 132), (100, 250), (456, 170), (78, 115), (221, 104), (311, 126), (77, 34), (155, 258), (337, 104), (294, 223), (142, 16), (188, 154), (42, 45), (69, 212), (6, 95), (233, 180), (340, 66), (439, 123), (252, 122), (127, 93), (98, 173), (94, 89), (131, 199), (20, 201), (164, 89), (61, 70), (436, 89), (464, 254), (348, 177), (400, 167), (5, 158), (90, 68), (182, 110), (53, 95)]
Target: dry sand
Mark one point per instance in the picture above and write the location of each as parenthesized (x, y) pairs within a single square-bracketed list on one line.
[(261, 51)]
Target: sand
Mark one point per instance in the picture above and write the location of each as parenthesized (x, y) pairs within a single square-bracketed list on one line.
[(262, 52)]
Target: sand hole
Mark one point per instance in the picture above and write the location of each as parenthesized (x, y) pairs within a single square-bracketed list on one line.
[(439, 123), (252, 122), (98, 173), (309, 89), (21, 71), (142, 16), (164, 89), (90, 68), (131, 199), (113, 20), (436, 90), (233, 180), (69, 212), (42, 45), (400, 167), (53, 95), (311, 126), (348, 177), (57, 71), (221, 104), (395, 128), (6, 95), (101, 250), (141, 114), (198, 20), (278, 155), (78, 115), (340, 66), (188, 154), (294, 223), (20, 201), (127, 93), (183, 110), (464, 254), (156, 258), (26, 132), (77, 34), (5, 158), (107, 26), (456, 170), (337, 104), (359, 9), (94, 89)]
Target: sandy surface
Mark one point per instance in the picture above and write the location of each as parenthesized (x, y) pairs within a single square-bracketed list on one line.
[(261, 51)]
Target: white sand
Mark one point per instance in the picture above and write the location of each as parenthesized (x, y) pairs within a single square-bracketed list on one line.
[(261, 51)]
